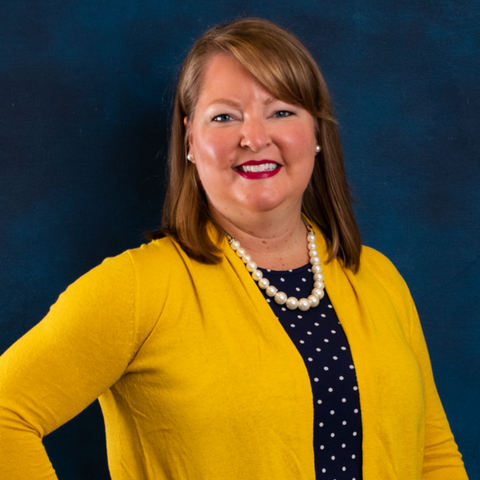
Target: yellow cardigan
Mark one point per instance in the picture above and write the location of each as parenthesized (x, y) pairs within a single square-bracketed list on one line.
[(198, 380)]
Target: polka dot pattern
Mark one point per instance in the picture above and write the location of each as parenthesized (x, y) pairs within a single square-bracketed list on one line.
[(320, 339)]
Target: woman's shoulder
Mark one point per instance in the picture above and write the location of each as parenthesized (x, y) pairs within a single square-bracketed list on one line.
[(372, 257), (157, 254), (130, 269), (161, 248), (373, 262)]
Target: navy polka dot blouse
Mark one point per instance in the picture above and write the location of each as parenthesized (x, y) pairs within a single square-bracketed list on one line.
[(320, 339)]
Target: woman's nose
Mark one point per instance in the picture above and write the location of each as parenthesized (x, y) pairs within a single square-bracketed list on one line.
[(255, 134)]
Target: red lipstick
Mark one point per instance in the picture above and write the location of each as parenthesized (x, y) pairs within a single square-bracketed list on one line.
[(258, 169)]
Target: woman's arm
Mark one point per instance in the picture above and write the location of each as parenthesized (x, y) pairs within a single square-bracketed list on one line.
[(442, 460), (437, 455), (63, 364)]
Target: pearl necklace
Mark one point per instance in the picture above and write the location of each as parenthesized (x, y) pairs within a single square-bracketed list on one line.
[(292, 303)]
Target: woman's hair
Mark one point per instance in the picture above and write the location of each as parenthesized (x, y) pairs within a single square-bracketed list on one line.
[(279, 61)]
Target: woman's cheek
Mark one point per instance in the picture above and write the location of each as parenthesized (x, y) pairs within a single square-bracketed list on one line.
[(216, 149)]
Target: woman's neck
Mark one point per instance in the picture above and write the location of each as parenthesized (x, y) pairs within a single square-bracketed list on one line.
[(274, 242)]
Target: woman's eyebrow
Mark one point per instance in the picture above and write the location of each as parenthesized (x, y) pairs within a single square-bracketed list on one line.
[(225, 101), (233, 103)]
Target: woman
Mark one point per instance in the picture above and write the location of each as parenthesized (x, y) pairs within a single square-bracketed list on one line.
[(202, 373)]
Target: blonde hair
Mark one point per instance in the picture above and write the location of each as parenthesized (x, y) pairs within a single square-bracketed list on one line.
[(284, 66)]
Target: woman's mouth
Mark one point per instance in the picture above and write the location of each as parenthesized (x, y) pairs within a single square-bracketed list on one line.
[(264, 167), (255, 170)]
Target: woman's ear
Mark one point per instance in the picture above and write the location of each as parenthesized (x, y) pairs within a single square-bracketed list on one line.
[(188, 142), (187, 133)]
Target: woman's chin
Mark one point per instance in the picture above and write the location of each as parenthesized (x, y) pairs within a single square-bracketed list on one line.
[(268, 205)]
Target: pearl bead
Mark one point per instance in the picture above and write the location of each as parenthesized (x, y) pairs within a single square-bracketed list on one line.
[(311, 238), (318, 293), (315, 260), (292, 303), (312, 246), (316, 269), (314, 300), (246, 258), (263, 283), (280, 298), (313, 253), (271, 291), (241, 252), (235, 244), (257, 275), (251, 266), (303, 304), (318, 277), (320, 285)]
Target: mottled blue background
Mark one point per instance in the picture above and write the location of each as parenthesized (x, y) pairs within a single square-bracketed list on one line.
[(85, 94)]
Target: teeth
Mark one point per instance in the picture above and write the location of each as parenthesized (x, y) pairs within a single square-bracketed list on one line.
[(264, 167)]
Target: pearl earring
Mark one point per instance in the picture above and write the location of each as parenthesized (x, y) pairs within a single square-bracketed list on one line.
[(318, 148), (190, 157)]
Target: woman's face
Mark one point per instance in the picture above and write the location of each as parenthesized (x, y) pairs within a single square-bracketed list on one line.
[(254, 152)]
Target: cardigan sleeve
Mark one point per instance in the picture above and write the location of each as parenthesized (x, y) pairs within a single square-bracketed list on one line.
[(442, 460), (63, 364)]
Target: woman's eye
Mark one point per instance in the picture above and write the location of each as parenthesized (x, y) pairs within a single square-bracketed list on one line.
[(282, 113), (224, 117)]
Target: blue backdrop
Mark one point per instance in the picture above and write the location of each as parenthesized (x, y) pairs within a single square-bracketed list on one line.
[(85, 94)]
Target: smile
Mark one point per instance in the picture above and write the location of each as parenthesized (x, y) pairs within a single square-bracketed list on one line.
[(258, 170), (264, 167)]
